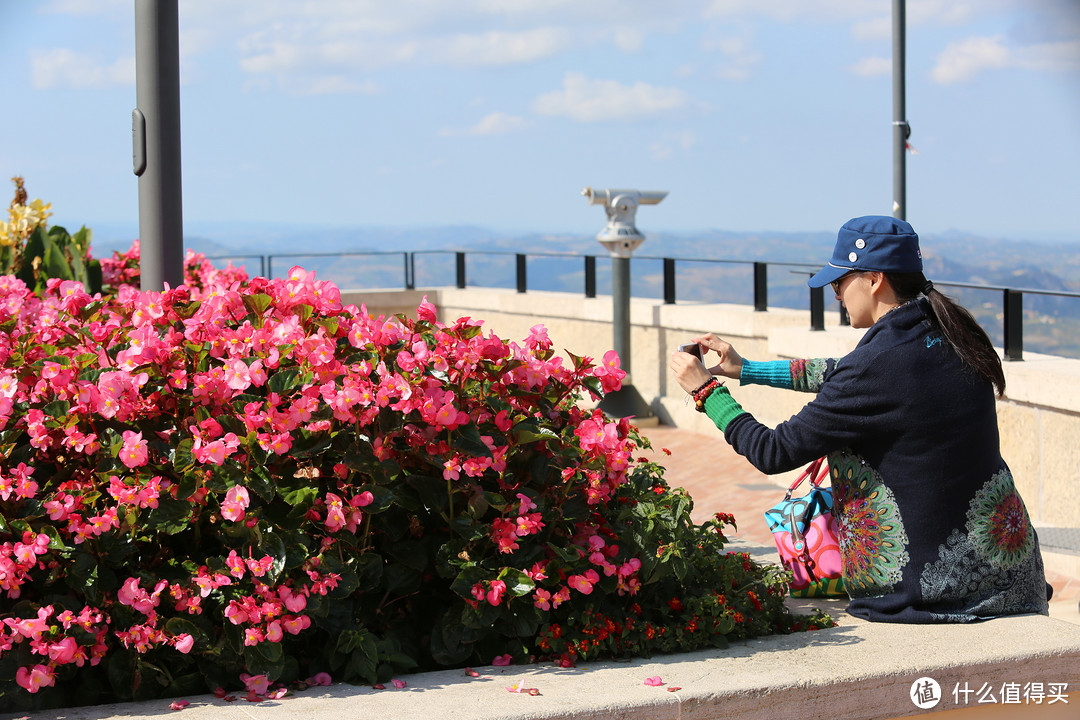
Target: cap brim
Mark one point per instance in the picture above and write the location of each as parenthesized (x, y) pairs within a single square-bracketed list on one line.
[(826, 275)]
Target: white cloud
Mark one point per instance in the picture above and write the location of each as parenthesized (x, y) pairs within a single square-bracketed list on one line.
[(497, 47), (588, 100), (496, 123), (963, 60), (62, 67), (629, 39), (872, 66), (665, 147), (331, 85)]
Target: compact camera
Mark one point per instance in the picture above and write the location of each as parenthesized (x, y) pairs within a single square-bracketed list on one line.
[(692, 348)]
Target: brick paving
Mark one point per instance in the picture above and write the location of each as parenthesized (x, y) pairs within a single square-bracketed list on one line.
[(720, 480)]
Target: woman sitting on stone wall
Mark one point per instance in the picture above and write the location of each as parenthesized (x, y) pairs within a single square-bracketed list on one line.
[(931, 526)]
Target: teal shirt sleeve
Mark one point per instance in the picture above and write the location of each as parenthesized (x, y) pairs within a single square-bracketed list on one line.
[(774, 373), (802, 375), (722, 408)]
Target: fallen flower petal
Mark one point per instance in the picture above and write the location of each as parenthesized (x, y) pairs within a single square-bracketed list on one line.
[(534, 691), (502, 660), (178, 704), (220, 692), (278, 694), (673, 688), (322, 678), (379, 686), (252, 697), (471, 673), (654, 681), (398, 683)]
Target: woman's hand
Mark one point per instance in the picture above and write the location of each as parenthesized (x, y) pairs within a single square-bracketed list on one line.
[(730, 365), (688, 371)]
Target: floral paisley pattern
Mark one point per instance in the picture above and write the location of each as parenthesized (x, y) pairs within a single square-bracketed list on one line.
[(808, 375), (961, 586), (873, 541), (998, 523)]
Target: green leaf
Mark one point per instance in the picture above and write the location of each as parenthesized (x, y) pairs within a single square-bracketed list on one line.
[(467, 439), (284, 381), (298, 495), (260, 483), (529, 432), (257, 303), (517, 582), (182, 458), (170, 516)]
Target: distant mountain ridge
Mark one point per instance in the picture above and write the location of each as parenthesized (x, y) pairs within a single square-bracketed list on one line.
[(953, 256)]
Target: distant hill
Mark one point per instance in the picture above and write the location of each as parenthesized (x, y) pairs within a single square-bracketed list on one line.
[(372, 256)]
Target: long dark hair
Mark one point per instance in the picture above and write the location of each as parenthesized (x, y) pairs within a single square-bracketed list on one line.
[(958, 326)]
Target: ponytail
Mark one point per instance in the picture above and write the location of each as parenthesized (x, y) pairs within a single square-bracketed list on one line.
[(958, 326)]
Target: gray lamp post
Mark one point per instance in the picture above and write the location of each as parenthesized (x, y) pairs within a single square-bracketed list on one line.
[(901, 129), (155, 131), (621, 237)]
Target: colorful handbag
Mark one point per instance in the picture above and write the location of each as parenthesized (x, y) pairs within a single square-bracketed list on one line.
[(805, 535)]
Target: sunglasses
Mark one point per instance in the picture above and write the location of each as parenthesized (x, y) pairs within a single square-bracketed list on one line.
[(836, 283)]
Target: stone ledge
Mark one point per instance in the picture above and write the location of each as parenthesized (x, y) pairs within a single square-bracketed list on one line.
[(855, 671)]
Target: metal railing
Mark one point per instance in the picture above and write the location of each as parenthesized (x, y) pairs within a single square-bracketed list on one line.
[(1012, 298)]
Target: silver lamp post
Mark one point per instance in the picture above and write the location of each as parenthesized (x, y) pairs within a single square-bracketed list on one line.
[(155, 130), (621, 237)]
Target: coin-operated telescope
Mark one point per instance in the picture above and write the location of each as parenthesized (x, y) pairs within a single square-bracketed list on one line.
[(620, 236)]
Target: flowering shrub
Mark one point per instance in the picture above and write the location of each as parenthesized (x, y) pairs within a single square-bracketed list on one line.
[(264, 483), (36, 253), (199, 273)]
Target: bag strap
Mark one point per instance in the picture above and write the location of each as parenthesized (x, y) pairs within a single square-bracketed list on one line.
[(816, 471)]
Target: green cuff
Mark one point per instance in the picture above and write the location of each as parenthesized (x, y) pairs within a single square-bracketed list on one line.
[(722, 408), (774, 373)]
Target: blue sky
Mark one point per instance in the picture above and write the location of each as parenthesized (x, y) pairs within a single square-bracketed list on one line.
[(755, 115)]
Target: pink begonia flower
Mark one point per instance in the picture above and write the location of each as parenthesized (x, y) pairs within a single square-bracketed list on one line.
[(63, 652), (584, 583), (278, 693), (399, 684), (519, 687), (33, 679), (496, 591), (258, 684), (294, 602), (183, 643), (502, 660), (236, 502), (542, 599), (274, 633), (178, 704), (654, 681), (319, 679), (135, 450), (426, 311)]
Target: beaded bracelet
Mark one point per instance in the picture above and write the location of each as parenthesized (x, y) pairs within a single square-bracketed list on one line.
[(704, 392)]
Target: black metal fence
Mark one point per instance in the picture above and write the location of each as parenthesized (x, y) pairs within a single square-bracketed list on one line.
[(748, 280)]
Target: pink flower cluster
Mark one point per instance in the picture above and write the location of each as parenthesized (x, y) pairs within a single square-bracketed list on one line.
[(52, 636), (180, 398)]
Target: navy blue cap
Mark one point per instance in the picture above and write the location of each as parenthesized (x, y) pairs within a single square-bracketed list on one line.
[(873, 242)]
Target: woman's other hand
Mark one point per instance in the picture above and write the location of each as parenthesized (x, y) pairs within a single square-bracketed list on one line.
[(688, 371), (730, 365)]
